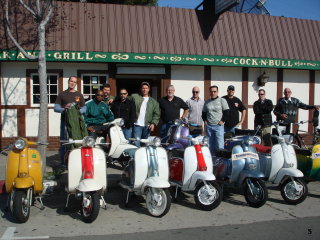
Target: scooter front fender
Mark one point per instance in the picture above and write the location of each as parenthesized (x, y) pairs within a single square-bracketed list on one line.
[(293, 172), (199, 176), (88, 185), (155, 182), (25, 182), (249, 174)]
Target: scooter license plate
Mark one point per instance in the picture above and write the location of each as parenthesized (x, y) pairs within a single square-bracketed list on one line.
[(238, 156)]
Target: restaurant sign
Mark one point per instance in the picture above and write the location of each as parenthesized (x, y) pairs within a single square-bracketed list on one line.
[(69, 56)]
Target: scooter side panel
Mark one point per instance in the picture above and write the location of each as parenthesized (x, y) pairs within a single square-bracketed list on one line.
[(190, 164), (140, 167), (120, 148), (117, 138), (100, 172), (12, 169), (277, 161), (74, 170), (35, 169), (163, 164), (237, 165)]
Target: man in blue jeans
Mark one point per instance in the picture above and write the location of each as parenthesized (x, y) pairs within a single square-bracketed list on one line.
[(214, 114)]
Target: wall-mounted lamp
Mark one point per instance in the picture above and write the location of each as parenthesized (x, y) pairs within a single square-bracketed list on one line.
[(263, 79)]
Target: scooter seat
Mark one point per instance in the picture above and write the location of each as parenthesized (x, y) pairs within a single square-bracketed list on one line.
[(131, 151), (224, 153), (262, 149), (303, 152)]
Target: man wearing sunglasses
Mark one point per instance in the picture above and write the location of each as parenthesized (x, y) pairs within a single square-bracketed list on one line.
[(262, 109), (123, 108), (97, 114), (195, 104)]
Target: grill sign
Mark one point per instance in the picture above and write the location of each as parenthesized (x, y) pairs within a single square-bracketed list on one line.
[(243, 155)]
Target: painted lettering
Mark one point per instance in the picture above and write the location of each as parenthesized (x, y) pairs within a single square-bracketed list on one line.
[(290, 64), (254, 62), (66, 55), (5, 54), (79, 56), (277, 63), (283, 63), (21, 56), (263, 62), (271, 62), (242, 61), (88, 56), (73, 55), (248, 61), (235, 61), (57, 55)]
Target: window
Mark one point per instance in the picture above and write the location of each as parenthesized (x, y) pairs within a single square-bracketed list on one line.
[(91, 83), (52, 88)]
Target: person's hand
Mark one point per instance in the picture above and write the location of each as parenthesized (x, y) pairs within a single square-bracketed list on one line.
[(220, 123), (67, 106), (318, 108), (239, 124), (110, 101), (151, 127), (91, 129), (283, 116)]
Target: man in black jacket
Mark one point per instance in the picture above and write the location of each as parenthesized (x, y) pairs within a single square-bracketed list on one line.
[(262, 109), (124, 108)]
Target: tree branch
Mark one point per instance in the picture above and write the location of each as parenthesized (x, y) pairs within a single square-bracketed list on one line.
[(30, 9), (12, 37), (45, 21)]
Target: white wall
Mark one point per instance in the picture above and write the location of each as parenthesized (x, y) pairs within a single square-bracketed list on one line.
[(225, 76), (298, 82), (13, 92), (317, 89), (9, 122), (253, 88), (184, 78)]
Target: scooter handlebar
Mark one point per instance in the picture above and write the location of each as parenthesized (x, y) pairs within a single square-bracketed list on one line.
[(72, 142)]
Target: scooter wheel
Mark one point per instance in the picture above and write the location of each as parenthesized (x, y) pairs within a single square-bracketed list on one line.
[(206, 200), (21, 208), (158, 201), (289, 192), (90, 212), (259, 199)]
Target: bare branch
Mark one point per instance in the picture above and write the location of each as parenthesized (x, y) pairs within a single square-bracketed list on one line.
[(12, 37), (30, 9), (45, 21), (38, 8)]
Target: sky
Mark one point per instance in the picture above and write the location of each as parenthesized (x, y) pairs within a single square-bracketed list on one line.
[(306, 9)]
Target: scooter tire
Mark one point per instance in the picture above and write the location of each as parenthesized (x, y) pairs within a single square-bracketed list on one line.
[(20, 210), (164, 208), (252, 200), (91, 213), (287, 185), (201, 198)]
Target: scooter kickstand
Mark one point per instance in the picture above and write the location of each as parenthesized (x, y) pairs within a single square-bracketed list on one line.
[(104, 205), (66, 207), (127, 200), (39, 198)]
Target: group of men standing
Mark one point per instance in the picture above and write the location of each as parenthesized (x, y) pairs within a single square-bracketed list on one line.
[(141, 112)]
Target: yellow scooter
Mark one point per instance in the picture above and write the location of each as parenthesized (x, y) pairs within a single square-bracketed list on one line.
[(23, 178)]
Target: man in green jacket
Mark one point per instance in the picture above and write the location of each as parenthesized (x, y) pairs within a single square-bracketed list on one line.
[(97, 114), (148, 112)]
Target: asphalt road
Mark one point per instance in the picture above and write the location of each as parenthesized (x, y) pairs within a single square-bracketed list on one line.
[(233, 219)]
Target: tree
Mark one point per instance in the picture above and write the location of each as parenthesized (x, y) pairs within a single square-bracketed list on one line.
[(41, 12)]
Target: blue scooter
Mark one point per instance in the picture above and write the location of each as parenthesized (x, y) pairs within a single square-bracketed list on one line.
[(238, 166)]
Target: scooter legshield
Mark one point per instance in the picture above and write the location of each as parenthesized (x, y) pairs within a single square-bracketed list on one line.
[(88, 185), (199, 176), (249, 174)]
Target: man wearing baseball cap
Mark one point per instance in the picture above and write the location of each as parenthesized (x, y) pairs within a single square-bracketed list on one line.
[(235, 106)]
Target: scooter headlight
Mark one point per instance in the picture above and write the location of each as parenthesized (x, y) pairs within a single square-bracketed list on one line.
[(20, 144), (205, 141), (157, 141), (88, 141)]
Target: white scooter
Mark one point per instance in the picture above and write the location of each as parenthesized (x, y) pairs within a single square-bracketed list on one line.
[(147, 173), (118, 142), (191, 171), (280, 167), (87, 177)]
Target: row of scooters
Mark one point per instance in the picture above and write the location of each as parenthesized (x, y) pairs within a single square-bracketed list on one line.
[(157, 170)]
